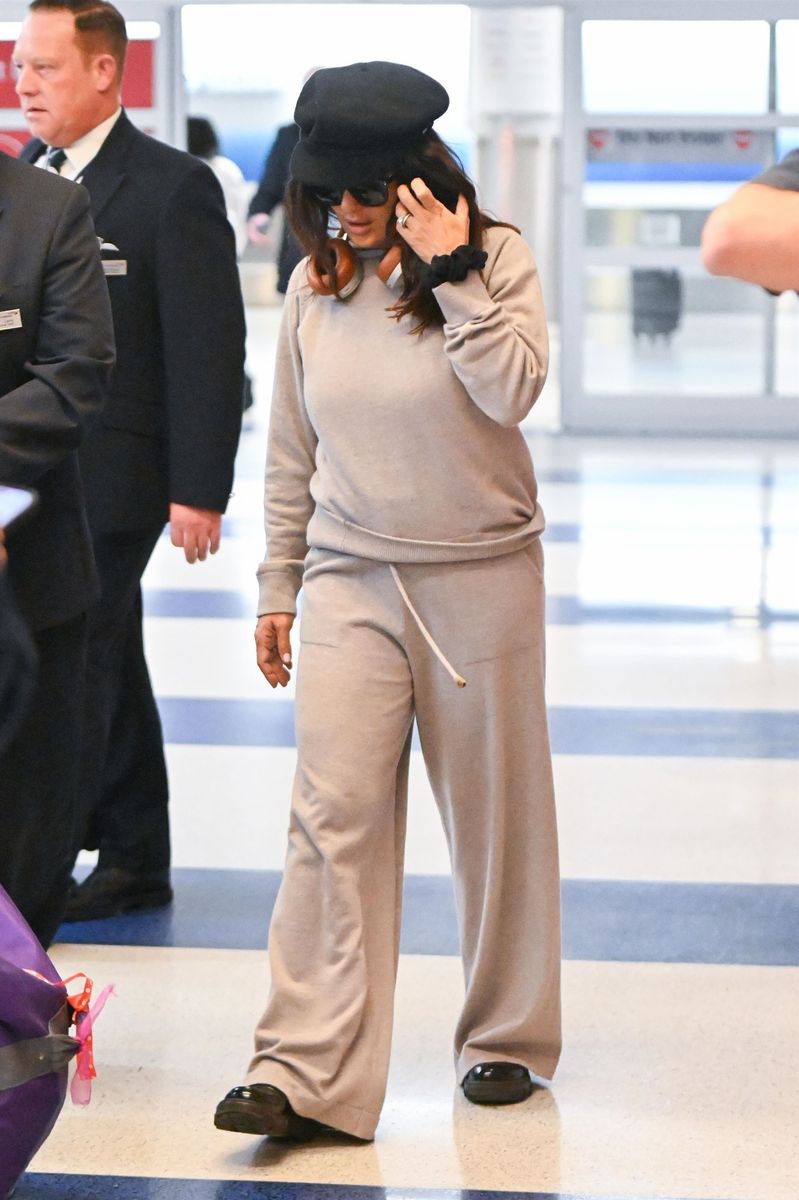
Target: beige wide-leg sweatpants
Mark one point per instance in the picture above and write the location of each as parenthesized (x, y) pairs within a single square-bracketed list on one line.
[(365, 670)]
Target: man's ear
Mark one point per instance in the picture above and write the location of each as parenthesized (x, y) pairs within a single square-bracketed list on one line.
[(105, 72)]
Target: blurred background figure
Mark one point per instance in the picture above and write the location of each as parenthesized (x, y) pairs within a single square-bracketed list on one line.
[(202, 141), (268, 196)]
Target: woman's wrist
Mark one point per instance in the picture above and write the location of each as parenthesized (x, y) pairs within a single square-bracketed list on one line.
[(453, 267)]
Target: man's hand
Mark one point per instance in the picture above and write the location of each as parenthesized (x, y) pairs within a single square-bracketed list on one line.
[(273, 647), (197, 530)]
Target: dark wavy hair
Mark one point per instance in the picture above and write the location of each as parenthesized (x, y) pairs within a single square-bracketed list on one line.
[(441, 169)]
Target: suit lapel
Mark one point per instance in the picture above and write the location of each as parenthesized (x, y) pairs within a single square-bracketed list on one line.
[(106, 173)]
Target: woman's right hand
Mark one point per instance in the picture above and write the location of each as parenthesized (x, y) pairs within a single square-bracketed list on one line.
[(273, 647)]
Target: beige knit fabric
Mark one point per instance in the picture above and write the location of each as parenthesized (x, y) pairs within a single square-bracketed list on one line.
[(364, 671), (402, 448), (398, 460)]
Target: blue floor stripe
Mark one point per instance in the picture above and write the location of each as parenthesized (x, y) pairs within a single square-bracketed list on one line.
[(603, 920), (683, 732), (188, 602), (561, 610), (118, 1187)]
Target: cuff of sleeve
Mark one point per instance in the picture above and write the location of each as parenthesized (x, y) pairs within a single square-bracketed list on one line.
[(278, 585), (462, 302)]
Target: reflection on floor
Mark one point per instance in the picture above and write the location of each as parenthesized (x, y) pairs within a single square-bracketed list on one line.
[(673, 646), (712, 353)]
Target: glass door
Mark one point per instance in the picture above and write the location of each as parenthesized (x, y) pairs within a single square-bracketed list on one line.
[(664, 119)]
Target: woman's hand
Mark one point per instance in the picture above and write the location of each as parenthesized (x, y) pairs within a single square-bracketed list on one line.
[(273, 647), (431, 228)]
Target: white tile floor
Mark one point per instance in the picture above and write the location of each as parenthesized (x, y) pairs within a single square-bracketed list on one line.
[(678, 1079)]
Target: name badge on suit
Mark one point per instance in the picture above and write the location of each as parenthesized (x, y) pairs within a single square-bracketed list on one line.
[(110, 255)]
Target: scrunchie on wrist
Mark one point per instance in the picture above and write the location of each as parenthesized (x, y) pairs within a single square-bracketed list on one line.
[(454, 267)]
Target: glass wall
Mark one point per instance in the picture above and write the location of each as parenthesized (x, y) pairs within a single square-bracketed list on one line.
[(244, 64), (675, 66), (654, 318), (673, 116)]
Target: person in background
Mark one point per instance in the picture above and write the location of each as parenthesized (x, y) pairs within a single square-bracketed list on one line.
[(56, 359), (202, 142), (165, 446), (270, 193), (401, 496), (754, 236)]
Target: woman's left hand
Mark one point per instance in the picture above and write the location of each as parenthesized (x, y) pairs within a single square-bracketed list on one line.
[(431, 228)]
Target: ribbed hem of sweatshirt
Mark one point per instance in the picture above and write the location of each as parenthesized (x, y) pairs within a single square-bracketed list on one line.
[(280, 581), (329, 532), (278, 585)]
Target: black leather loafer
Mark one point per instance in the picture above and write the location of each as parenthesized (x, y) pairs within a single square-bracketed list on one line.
[(265, 1111), (109, 891), (497, 1083)]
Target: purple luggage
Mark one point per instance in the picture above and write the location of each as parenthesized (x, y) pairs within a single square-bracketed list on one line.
[(34, 1046)]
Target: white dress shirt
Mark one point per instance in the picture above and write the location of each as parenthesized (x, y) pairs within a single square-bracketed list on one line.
[(81, 152)]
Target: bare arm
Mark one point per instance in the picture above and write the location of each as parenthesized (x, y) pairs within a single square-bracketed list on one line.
[(754, 236)]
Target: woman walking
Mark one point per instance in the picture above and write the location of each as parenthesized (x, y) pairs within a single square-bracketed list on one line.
[(400, 495)]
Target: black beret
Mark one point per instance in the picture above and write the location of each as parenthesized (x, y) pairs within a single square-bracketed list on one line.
[(356, 122)]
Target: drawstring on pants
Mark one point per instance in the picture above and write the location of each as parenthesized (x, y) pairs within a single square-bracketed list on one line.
[(461, 682)]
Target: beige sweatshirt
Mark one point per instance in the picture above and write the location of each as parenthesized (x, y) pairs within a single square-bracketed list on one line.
[(404, 448)]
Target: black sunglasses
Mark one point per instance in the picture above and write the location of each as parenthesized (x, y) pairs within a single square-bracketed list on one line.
[(370, 195)]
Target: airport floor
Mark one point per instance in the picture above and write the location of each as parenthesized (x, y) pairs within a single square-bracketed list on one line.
[(673, 683)]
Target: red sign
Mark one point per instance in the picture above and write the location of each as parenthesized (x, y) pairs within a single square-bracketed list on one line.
[(138, 82), (8, 97)]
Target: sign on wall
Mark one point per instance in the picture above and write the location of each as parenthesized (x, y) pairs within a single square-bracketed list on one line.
[(678, 145), (681, 155)]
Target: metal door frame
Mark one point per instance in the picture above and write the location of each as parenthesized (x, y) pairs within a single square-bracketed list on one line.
[(762, 414)]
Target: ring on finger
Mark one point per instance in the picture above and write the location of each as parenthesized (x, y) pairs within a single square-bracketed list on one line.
[(403, 220)]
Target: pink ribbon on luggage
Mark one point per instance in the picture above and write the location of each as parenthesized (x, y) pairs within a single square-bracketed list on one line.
[(80, 1089), (86, 1014)]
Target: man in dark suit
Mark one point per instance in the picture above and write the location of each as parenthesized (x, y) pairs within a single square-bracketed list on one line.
[(165, 446), (56, 357)]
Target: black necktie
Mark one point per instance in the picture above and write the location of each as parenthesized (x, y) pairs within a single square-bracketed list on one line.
[(56, 157)]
